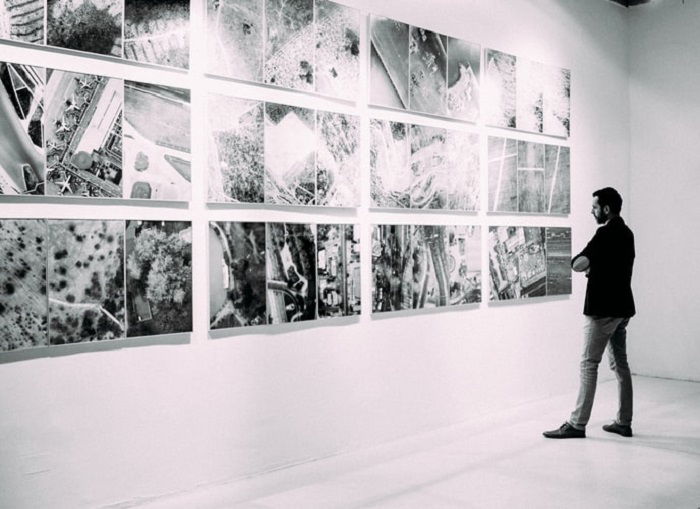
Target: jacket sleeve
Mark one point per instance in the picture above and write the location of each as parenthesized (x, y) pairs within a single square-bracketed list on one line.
[(593, 249)]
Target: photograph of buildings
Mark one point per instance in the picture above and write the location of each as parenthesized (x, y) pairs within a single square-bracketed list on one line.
[(157, 31), (24, 305), (237, 276), (390, 172), (22, 20), (94, 26), (337, 159), (158, 277), (157, 142), (85, 280), (499, 89), (427, 66), (392, 270), (463, 73), (83, 129), (388, 63), (22, 166), (339, 274), (235, 132), (291, 272)]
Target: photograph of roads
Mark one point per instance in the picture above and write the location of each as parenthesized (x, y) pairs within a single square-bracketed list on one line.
[(419, 70), (22, 20), (310, 45), (338, 266), (22, 165), (527, 177), (422, 167), (94, 26), (529, 262), (526, 95), (425, 266)]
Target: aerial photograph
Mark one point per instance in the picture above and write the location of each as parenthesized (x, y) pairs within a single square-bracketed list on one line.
[(237, 276), (337, 160), (22, 165), (529, 95), (427, 71), (390, 171), (22, 20), (158, 32), (157, 142), (531, 194), (557, 170), (388, 63), (463, 171), (557, 101), (24, 305), (83, 128), (558, 248), (158, 277), (235, 38), (235, 132), (392, 268), (94, 26), (463, 78), (500, 89), (503, 174), (339, 274), (431, 176), (291, 272), (517, 262), (86, 281)]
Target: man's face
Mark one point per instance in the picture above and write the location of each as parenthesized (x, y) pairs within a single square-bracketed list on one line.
[(599, 213)]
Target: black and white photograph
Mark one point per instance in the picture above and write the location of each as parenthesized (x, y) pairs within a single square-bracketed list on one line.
[(392, 268), (157, 142), (503, 174), (337, 160), (290, 155), (289, 44), (158, 277), (557, 102), (22, 20), (22, 160), (237, 275), (93, 26), (431, 179), (389, 63), (390, 171), (235, 132), (462, 177), (427, 66), (157, 32), (531, 196), (24, 304), (83, 129), (463, 79), (558, 249), (337, 57), (557, 175), (291, 272), (500, 89), (86, 281), (517, 262), (339, 272), (529, 95)]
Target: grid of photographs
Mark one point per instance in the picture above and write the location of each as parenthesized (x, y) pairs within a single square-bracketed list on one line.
[(421, 167), (527, 261), (270, 273), (419, 70), (72, 281), (309, 45), (425, 266), (283, 155)]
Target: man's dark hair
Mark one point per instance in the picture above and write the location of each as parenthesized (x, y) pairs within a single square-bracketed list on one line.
[(610, 197)]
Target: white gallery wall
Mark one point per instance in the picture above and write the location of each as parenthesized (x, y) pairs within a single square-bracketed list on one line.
[(665, 170), (114, 423)]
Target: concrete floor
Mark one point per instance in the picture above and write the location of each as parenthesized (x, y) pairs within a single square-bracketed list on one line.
[(502, 461)]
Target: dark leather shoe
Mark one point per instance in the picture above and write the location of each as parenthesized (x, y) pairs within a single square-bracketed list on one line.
[(566, 430), (620, 429)]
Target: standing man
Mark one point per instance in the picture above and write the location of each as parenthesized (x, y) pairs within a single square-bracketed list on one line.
[(607, 260)]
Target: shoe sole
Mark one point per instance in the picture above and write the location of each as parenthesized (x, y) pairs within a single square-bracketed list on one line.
[(618, 433)]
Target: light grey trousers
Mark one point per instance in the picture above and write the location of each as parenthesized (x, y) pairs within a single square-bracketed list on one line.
[(599, 333)]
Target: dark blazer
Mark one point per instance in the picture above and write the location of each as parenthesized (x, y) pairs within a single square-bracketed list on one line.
[(611, 253)]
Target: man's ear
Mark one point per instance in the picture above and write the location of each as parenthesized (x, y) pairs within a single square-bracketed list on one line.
[(606, 209)]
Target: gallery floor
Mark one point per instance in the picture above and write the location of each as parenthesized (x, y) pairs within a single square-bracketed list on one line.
[(502, 461)]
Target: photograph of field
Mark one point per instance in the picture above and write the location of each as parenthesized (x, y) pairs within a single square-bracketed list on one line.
[(337, 160), (291, 272), (557, 101), (94, 26), (463, 78), (157, 142), (392, 268), (500, 89), (235, 131), (339, 277), (24, 305), (558, 248), (83, 129), (388, 63), (85, 281), (22, 166), (158, 277), (557, 185), (22, 20), (237, 276), (157, 31), (531, 197), (503, 174), (427, 71), (337, 57)]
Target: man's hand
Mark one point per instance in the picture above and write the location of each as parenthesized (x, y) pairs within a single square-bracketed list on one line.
[(581, 264)]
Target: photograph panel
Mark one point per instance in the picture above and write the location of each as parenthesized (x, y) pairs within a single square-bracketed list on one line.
[(83, 128), (235, 140), (557, 102), (157, 142), (158, 32), (237, 277), (289, 44), (463, 79), (86, 281), (337, 160), (291, 272), (503, 174), (517, 262), (531, 181), (388, 63), (339, 275), (463, 171), (500, 89), (22, 20), (529, 95), (557, 167), (22, 160), (24, 304), (427, 71), (558, 249), (431, 178), (392, 267), (390, 172), (94, 26), (337, 64), (158, 277)]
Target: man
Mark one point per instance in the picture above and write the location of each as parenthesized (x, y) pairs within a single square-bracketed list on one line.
[(609, 305)]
